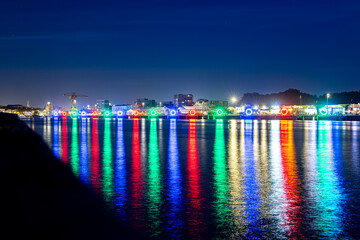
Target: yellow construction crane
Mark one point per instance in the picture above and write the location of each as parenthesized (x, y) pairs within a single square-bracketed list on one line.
[(72, 97)]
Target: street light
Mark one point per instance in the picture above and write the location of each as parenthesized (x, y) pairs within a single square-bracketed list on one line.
[(327, 100), (233, 100)]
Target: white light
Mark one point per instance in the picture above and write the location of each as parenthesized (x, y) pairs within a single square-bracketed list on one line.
[(310, 111)]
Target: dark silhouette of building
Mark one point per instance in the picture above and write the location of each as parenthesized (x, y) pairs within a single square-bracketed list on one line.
[(183, 100), (145, 102)]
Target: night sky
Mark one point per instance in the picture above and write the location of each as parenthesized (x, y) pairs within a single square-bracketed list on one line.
[(123, 50)]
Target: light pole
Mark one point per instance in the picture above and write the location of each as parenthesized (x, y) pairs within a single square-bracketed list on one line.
[(327, 100), (233, 100)]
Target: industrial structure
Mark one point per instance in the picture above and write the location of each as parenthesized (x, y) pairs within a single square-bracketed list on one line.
[(72, 96)]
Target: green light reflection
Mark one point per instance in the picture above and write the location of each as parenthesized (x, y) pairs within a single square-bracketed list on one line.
[(221, 187), (74, 158), (154, 192), (108, 171), (328, 189)]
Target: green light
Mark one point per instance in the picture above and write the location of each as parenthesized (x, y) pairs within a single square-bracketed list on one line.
[(107, 113), (153, 112), (74, 114), (323, 111), (219, 112)]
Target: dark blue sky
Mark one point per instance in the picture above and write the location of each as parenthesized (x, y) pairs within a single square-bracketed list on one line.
[(121, 50)]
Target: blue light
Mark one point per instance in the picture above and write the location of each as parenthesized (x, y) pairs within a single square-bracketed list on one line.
[(120, 113), (83, 113), (55, 113), (172, 112), (248, 112)]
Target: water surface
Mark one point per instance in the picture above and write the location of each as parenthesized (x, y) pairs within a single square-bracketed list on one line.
[(218, 178)]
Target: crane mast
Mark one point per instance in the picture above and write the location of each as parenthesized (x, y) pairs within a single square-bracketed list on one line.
[(72, 96)]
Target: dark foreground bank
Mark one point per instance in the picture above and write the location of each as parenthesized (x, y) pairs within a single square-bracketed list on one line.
[(41, 198)]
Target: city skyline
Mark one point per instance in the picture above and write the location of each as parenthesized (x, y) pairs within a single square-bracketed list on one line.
[(124, 50)]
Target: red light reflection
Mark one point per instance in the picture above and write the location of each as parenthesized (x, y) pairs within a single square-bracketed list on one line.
[(293, 206), (196, 225), (64, 142), (95, 163)]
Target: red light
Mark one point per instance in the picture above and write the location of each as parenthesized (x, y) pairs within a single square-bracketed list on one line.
[(136, 113), (284, 111), (192, 112), (64, 114), (95, 113)]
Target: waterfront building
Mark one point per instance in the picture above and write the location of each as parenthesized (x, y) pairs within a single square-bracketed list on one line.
[(167, 104), (338, 109), (353, 108), (183, 100), (102, 105), (121, 107), (48, 109), (219, 103), (21, 110), (145, 103), (202, 101)]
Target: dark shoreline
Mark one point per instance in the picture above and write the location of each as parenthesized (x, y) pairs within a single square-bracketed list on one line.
[(41, 196)]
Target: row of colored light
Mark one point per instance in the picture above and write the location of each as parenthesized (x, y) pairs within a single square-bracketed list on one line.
[(286, 111), (172, 112), (135, 113)]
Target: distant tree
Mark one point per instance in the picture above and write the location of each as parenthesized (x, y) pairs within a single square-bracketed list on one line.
[(341, 98), (288, 97)]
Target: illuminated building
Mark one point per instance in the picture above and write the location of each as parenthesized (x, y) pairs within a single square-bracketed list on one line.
[(122, 107), (48, 109), (102, 105), (183, 100)]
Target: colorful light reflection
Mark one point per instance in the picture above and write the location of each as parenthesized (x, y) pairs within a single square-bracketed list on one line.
[(174, 184), (194, 191), (221, 188), (121, 182), (107, 164)]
